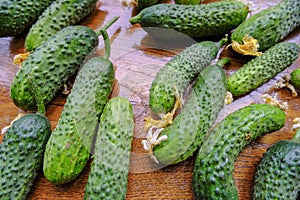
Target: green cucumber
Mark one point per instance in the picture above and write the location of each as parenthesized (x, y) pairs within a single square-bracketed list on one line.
[(110, 167), (270, 25), (58, 15), (21, 155), (178, 73), (277, 175), (48, 68), (196, 21), (214, 164), (188, 2), (139, 4), (18, 15), (263, 68), (189, 128), (295, 78), (69, 146)]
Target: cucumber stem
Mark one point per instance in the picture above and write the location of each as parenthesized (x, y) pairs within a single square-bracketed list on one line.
[(222, 41), (223, 61), (296, 137), (136, 19), (103, 32)]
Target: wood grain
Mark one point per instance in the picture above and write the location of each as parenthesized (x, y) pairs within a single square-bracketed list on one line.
[(136, 61)]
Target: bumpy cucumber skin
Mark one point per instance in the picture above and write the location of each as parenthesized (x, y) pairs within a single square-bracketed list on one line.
[(270, 25), (21, 155), (261, 69), (295, 78), (189, 128), (214, 165), (188, 2), (109, 170), (277, 175), (57, 16), (196, 21), (18, 15), (48, 68), (178, 73), (69, 146)]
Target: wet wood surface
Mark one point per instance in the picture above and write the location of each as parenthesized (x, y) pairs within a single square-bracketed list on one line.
[(136, 61)]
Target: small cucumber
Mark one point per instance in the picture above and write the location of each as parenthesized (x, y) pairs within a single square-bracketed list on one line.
[(57, 16), (110, 167), (21, 155), (18, 15), (268, 26), (262, 68), (178, 73), (214, 164), (69, 146), (196, 21), (189, 128), (49, 67), (277, 175), (295, 78)]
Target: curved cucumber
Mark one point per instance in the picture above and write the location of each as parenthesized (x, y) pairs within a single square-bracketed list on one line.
[(68, 149), (277, 175), (21, 155), (188, 2), (109, 170), (196, 21), (178, 73), (18, 15), (295, 78), (57, 16), (49, 67), (189, 128), (262, 68), (270, 25), (214, 165)]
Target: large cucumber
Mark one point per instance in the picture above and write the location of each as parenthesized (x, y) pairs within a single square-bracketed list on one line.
[(268, 26), (48, 68), (18, 15), (261, 69), (69, 146), (178, 73), (110, 167), (57, 16), (187, 132), (196, 21), (277, 175), (21, 155), (214, 165)]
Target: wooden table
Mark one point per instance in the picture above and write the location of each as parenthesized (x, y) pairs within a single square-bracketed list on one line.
[(137, 62)]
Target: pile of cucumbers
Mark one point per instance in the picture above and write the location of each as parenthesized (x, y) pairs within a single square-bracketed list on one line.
[(58, 48)]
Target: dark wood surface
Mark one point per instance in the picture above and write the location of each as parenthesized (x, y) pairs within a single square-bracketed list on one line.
[(136, 62)]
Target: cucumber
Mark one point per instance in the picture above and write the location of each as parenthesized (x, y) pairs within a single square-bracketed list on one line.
[(18, 15), (214, 164), (188, 2), (178, 73), (277, 175), (109, 170), (269, 26), (189, 128), (263, 68), (48, 68), (69, 146), (58, 15), (295, 78), (196, 21), (21, 155)]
